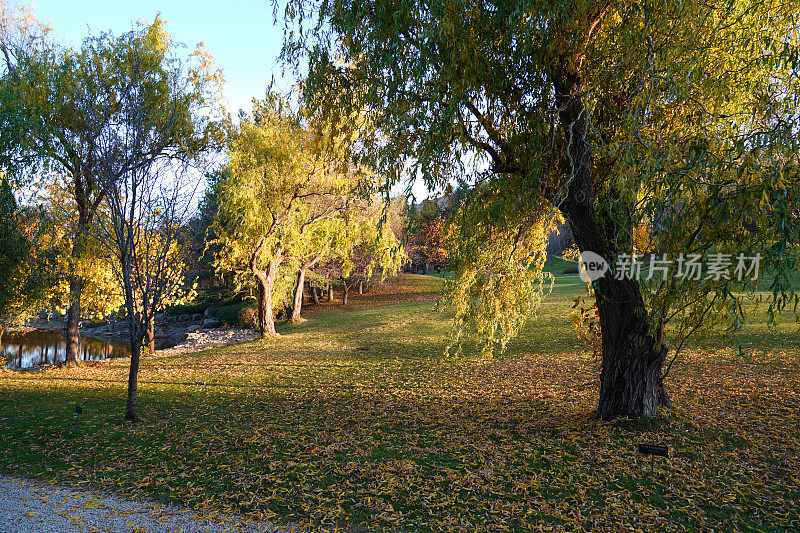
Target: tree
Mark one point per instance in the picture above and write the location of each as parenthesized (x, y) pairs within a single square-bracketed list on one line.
[(148, 209), (426, 242), (58, 101), (203, 228), (26, 265), (164, 126), (101, 296), (317, 244), (15, 249), (360, 246), (281, 187), (167, 262), (58, 105), (352, 247), (369, 249), (678, 115)]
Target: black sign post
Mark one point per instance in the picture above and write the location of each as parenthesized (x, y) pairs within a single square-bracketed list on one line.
[(652, 450)]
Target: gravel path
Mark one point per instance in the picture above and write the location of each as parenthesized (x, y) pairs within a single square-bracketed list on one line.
[(28, 506), (36, 507)]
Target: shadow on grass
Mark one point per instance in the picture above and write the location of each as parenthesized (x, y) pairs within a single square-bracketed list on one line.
[(358, 419), (501, 445)]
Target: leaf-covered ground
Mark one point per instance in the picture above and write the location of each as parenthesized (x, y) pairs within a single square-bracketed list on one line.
[(355, 419)]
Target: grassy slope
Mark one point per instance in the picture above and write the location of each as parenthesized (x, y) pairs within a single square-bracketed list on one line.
[(355, 417)]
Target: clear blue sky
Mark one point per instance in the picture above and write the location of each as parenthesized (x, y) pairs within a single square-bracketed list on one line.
[(240, 34)]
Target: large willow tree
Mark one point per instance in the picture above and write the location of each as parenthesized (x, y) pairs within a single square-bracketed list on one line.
[(285, 184), (677, 117)]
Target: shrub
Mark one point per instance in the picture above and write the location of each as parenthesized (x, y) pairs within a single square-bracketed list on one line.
[(247, 317), (236, 314), (192, 309)]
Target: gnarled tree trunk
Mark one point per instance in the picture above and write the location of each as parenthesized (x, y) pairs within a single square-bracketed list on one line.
[(73, 356), (631, 378), (266, 281), (266, 320)]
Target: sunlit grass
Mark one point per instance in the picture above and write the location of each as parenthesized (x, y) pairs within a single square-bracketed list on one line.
[(357, 418)]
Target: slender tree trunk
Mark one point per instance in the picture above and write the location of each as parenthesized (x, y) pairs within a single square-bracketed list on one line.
[(262, 299), (346, 291), (136, 333), (315, 294), (361, 287), (133, 380), (298, 293), (632, 359), (151, 337), (301, 283), (330, 291), (2, 331)]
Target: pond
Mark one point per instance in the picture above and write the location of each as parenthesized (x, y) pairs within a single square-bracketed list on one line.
[(45, 347)]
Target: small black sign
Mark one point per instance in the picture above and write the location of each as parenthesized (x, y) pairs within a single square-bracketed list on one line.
[(653, 449)]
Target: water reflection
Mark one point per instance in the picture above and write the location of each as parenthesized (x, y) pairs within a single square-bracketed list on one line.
[(34, 348)]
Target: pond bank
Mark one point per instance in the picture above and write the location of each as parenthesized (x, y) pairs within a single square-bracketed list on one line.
[(49, 352)]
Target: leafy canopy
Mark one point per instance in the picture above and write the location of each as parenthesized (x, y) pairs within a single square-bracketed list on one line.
[(26, 260), (285, 194), (687, 110)]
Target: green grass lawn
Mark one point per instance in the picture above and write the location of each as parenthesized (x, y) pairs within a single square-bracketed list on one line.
[(355, 418)]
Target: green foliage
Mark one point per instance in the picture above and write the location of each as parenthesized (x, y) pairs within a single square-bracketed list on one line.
[(68, 102), (8, 204), (498, 279), (202, 228), (363, 248), (291, 197), (15, 249), (187, 308), (679, 117), (26, 262), (234, 314)]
